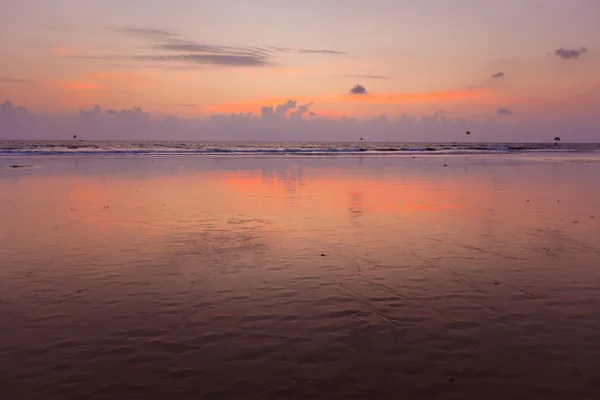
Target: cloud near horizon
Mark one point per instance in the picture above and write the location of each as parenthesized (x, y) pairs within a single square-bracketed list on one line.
[(498, 75), (504, 111), (287, 121)]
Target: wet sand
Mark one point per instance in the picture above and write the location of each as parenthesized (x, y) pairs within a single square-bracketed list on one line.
[(300, 278)]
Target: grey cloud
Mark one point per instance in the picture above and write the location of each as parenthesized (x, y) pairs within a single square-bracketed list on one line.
[(429, 119), (310, 51), (211, 59), (358, 89), (14, 80), (407, 119), (281, 110), (570, 54), (214, 49), (233, 118), (436, 117), (306, 51), (498, 75), (267, 112), (303, 109), (148, 33), (504, 111), (368, 76), (102, 57), (189, 53), (98, 123), (9, 111)]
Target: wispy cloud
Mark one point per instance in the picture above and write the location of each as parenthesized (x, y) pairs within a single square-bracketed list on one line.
[(368, 76), (358, 89), (183, 51), (504, 111), (14, 80), (188, 105), (210, 59), (570, 54), (211, 54), (213, 49), (305, 51), (311, 51), (148, 33), (498, 75)]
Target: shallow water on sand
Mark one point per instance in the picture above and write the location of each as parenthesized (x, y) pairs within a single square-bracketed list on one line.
[(333, 278)]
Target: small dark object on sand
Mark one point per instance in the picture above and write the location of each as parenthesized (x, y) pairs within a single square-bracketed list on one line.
[(20, 166), (575, 222), (445, 165), (496, 283), (323, 255), (450, 379)]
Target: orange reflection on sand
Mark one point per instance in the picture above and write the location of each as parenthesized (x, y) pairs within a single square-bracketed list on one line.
[(287, 194), (333, 190)]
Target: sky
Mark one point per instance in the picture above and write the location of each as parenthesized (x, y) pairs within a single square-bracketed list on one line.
[(405, 70)]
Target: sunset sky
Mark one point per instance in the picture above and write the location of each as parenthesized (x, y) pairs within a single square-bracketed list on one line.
[(511, 63)]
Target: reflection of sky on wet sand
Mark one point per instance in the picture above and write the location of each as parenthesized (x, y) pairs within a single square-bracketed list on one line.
[(153, 196), (468, 200), (374, 203), (160, 242)]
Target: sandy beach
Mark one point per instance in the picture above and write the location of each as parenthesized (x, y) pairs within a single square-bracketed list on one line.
[(428, 277)]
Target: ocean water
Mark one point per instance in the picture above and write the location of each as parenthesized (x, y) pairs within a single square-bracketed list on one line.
[(278, 148)]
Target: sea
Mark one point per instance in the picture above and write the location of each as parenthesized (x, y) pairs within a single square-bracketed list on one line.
[(363, 148)]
